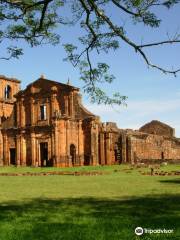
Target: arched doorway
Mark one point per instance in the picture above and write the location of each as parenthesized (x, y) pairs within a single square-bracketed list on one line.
[(162, 155), (44, 154), (12, 156), (73, 154)]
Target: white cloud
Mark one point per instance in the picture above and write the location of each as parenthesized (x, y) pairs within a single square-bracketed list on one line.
[(137, 113), (154, 106), (138, 107)]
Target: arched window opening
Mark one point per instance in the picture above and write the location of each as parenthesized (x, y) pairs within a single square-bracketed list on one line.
[(8, 92), (43, 112), (73, 154)]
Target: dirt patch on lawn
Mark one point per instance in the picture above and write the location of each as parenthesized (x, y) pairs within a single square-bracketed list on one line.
[(50, 173), (161, 173)]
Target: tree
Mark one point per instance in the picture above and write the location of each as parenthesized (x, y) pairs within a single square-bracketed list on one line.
[(37, 21)]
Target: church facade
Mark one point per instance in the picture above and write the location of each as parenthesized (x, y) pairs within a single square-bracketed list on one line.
[(46, 125)]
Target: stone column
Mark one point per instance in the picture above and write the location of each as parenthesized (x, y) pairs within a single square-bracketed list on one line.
[(38, 155), (33, 149), (71, 105), (32, 110), (53, 149), (107, 148), (1, 149), (56, 147), (101, 146), (18, 150), (56, 133), (94, 144), (52, 106), (130, 151), (23, 151), (67, 143), (22, 113), (18, 114), (124, 147), (66, 103), (97, 145), (80, 143), (5, 150), (111, 149)]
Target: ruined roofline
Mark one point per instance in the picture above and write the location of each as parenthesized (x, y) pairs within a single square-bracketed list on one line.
[(86, 111), (10, 79), (138, 134), (158, 122)]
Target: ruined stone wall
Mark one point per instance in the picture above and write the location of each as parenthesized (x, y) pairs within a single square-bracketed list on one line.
[(154, 147), (7, 104), (69, 133), (110, 148), (90, 128)]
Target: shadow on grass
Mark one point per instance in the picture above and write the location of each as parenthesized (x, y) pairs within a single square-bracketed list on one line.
[(88, 218), (176, 181)]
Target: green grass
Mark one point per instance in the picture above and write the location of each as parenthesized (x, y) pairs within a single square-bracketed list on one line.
[(100, 207)]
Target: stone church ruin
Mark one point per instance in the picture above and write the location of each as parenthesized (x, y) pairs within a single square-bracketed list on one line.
[(46, 125)]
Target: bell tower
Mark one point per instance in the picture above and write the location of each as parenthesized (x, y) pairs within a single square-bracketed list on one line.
[(8, 88)]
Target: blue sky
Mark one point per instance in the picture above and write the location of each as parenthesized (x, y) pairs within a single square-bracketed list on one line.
[(151, 94)]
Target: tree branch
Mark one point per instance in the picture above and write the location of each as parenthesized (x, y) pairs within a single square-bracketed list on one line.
[(46, 2), (125, 9), (100, 14), (158, 43)]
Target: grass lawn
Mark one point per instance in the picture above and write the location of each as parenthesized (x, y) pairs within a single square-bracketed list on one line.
[(108, 206)]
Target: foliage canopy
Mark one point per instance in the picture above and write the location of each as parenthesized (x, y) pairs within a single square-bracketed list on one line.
[(37, 22)]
